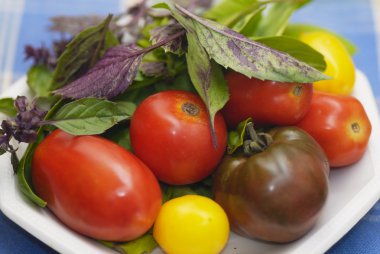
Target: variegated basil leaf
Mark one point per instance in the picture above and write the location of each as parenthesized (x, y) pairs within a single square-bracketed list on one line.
[(109, 77), (161, 33), (207, 78), (233, 50)]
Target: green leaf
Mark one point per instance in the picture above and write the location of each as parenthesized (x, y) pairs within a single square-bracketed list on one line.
[(236, 137), (249, 23), (295, 30), (207, 78), (233, 50), (297, 49), (142, 245), (276, 18), (229, 12), (83, 52), (2, 151), (39, 80), (24, 171), (7, 107), (120, 135), (90, 116)]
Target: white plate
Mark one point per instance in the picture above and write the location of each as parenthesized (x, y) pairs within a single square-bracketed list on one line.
[(353, 191)]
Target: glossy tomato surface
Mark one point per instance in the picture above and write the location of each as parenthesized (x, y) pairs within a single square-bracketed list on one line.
[(276, 195), (340, 125), (95, 187), (191, 224), (266, 102), (170, 132)]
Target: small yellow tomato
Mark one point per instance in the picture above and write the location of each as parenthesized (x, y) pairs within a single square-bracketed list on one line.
[(339, 65), (191, 224)]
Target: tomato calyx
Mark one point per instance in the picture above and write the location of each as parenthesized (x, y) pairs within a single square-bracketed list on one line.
[(256, 142)]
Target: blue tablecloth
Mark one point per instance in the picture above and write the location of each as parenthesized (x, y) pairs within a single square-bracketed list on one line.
[(26, 21)]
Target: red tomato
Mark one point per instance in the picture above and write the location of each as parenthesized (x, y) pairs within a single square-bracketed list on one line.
[(266, 102), (170, 132), (340, 125), (95, 187)]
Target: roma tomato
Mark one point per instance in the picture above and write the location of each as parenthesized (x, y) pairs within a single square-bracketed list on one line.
[(275, 194), (170, 132), (95, 187), (340, 125), (266, 102), (191, 224), (339, 65)]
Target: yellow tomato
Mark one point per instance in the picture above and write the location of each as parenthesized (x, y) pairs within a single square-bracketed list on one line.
[(339, 65), (191, 224)]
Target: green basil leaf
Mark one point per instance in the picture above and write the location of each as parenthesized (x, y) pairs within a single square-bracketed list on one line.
[(142, 245), (24, 171), (39, 80), (295, 30), (83, 52), (90, 116), (249, 23), (7, 107), (229, 12), (120, 135), (233, 50), (207, 78), (276, 18), (297, 49)]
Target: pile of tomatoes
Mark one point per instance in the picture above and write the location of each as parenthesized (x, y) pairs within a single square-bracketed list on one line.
[(273, 189)]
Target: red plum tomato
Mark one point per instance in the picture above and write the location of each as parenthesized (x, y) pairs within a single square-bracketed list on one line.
[(170, 132), (95, 187), (339, 123), (266, 102)]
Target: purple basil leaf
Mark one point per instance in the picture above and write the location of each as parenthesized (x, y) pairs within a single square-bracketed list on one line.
[(159, 34), (109, 77)]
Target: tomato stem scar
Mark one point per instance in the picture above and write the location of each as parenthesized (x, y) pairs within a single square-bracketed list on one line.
[(190, 109)]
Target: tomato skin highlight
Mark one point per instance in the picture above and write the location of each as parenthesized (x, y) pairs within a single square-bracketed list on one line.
[(340, 125), (170, 132), (266, 102), (95, 187)]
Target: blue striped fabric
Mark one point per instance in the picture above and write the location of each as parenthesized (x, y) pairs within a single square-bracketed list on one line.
[(26, 21)]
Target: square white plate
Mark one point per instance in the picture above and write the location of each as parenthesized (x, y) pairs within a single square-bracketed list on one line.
[(353, 191)]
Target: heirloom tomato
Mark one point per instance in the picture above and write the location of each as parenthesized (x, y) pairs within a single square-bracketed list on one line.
[(170, 131), (275, 193), (339, 65), (95, 187), (340, 125), (191, 224), (266, 102)]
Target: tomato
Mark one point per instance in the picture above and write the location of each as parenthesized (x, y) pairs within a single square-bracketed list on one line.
[(275, 194), (340, 125), (266, 102), (191, 224), (170, 132), (95, 187), (339, 64)]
